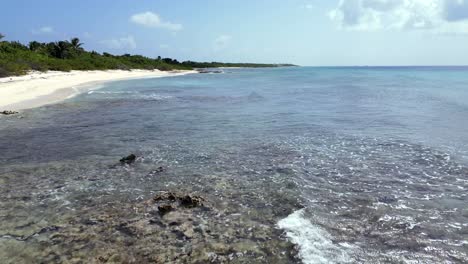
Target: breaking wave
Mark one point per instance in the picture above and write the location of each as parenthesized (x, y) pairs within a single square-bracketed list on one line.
[(314, 244)]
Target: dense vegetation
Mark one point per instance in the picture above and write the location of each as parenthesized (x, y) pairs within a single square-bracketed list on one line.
[(17, 59)]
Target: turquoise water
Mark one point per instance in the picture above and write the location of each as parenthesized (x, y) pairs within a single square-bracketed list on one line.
[(313, 165)]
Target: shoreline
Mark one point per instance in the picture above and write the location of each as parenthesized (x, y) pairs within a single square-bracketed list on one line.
[(42, 88)]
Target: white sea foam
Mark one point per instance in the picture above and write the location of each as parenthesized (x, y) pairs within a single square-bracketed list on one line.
[(158, 97), (314, 243), (111, 92), (137, 95)]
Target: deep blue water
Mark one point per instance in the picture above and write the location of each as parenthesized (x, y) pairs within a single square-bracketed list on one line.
[(376, 157)]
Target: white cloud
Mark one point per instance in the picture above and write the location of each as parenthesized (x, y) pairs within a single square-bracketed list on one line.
[(309, 6), (43, 30), (444, 16), (150, 19), (222, 41), (120, 43)]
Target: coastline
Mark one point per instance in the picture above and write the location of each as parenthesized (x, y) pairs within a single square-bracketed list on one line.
[(41, 88)]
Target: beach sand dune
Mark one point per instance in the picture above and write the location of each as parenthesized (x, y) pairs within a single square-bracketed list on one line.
[(40, 88)]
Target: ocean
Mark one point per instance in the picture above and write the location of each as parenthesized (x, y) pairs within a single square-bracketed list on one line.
[(292, 165)]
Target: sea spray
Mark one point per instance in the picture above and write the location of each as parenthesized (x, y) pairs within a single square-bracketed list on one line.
[(314, 244)]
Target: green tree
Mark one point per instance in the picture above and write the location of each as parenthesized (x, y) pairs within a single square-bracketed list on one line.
[(34, 45), (50, 49), (61, 49), (17, 59), (17, 45), (76, 44)]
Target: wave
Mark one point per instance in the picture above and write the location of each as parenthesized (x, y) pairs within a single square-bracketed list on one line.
[(314, 244), (108, 92), (134, 95), (157, 97)]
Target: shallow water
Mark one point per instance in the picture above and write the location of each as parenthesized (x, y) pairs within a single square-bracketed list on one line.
[(313, 165)]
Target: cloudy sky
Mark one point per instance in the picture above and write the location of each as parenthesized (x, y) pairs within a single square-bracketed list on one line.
[(305, 32)]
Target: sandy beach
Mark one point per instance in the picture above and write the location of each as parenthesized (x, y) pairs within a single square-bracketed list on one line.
[(40, 88)]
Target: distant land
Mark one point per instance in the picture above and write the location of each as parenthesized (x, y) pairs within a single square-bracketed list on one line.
[(19, 59)]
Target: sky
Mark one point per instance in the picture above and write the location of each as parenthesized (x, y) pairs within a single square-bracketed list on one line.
[(303, 32)]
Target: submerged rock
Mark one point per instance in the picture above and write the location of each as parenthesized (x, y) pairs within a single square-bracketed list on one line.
[(185, 200), (387, 199), (179, 225), (129, 159), (210, 71), (8, 112), (165, 196), (157, 171), (191, 201), (164, 209)]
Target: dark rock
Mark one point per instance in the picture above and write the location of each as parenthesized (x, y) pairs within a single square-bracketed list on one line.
[(285, 170), (156, 222), (164, 209), (7, 112), (165, 196), (210, 71), (387, 199), (191, 201), (124, 228), (157, 171), (129, 159), (185, 200), (92, 222), (172, 196), (180, 235)]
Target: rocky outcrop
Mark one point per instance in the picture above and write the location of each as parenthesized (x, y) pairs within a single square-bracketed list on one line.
[(8, 112), (210, 71), (164, 209), (181, 200), (178, 225), (157, 171), (128, 160)]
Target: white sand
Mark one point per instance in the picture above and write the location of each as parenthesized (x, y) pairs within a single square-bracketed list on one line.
[(41, 88)]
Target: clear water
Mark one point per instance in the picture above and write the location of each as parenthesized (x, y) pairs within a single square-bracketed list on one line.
[(313, 165)]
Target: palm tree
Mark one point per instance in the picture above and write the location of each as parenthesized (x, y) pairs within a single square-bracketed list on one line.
[(1, 36), (75, 42), (34, 45), (61, 49)]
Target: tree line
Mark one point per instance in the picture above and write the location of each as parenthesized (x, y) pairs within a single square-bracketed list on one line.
[(17, 59)]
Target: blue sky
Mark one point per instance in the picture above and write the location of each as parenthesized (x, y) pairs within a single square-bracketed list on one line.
[(313, 32)]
